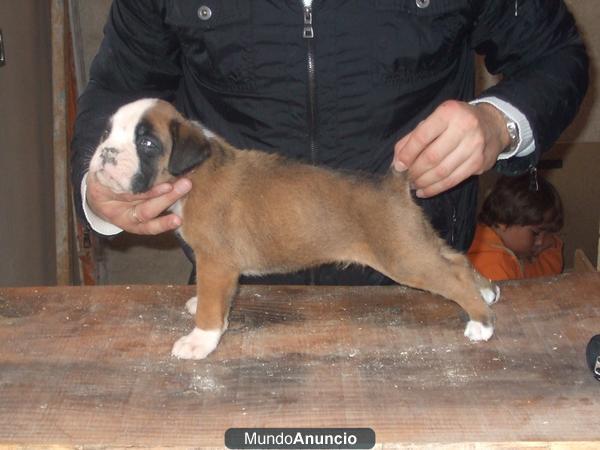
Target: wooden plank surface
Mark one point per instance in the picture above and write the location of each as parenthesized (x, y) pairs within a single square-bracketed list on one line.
[(60, 147), (92, 366)]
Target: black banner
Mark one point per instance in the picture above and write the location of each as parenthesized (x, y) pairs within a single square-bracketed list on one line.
[(299, 438)]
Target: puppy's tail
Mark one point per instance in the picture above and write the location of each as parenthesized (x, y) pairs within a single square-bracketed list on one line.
[(397, 182)]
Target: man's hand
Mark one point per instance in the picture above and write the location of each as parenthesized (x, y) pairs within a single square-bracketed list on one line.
[(137, 213), (456, 141)]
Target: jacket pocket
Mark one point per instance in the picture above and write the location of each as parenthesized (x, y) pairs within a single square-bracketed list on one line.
[(217, 41), (418, 39), (420, 7)]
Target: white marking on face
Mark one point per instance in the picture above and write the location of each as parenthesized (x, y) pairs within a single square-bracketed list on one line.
[(208, 134), (205, 131), (196, 345), (476, 331), (115, 161)]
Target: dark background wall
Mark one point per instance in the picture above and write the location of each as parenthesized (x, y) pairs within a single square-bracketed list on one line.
[(27, 249), (26, 178)]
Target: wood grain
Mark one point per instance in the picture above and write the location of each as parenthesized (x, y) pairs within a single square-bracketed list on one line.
[(92, 366)]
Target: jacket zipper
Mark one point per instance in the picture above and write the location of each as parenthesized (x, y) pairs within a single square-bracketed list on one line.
[(452, 236), (308, 34), (533, 179)]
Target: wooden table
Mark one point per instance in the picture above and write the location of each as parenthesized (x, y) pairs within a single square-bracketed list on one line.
[(92, 366)]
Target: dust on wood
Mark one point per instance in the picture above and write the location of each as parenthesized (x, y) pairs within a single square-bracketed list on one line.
[(92, 366)]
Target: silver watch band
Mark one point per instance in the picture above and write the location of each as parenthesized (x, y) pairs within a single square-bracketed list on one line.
[(513, 132)]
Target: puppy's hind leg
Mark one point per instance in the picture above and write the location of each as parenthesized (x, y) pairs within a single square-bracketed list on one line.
[(432, 266), (490, 292), (216, 286)]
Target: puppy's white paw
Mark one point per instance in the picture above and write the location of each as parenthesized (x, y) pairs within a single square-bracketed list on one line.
[(191, 305), (476, 331), (490, 296), (196, 345)]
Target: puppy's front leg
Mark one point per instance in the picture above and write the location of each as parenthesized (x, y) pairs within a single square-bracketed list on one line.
[(216, 286)]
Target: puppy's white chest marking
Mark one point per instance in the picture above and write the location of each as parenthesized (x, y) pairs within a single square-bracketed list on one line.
[(177, 209)]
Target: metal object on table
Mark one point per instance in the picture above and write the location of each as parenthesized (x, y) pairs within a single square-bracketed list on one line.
[(593, 356), (2, 54)]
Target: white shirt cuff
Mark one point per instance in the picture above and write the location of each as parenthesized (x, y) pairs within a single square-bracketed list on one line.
[(98, 225), (526, 143)]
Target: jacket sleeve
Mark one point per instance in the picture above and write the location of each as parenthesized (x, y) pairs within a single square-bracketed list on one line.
[(535, 46), (138, 57)]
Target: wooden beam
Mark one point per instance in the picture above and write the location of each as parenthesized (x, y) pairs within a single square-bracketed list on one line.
[(62, 205), (581, 262)]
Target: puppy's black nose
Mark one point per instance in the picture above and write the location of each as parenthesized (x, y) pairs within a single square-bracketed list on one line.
[(108, 156)]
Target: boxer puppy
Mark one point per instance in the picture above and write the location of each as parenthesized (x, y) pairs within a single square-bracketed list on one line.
[(253, 213)]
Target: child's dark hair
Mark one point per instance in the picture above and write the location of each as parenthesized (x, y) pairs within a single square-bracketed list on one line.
[(513, 202)]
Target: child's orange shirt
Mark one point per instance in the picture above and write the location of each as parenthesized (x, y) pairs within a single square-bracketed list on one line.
[(493, 260)]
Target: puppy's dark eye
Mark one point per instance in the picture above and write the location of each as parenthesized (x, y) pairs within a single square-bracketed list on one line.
[(105, 135), (148, 145)]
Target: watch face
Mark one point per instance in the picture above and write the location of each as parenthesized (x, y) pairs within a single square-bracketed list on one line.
[(513, 132)]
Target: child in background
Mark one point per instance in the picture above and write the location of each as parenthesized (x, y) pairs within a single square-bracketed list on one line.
[(516, 234)]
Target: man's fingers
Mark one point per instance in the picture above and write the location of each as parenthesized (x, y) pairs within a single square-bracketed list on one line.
[(417, 140), (456, 141), (444, 156), (182, 186), (439, 158), (149, 209), (399, 165), (443, 170), (156, 226), (461, 173), (138, 213), (156, 191)]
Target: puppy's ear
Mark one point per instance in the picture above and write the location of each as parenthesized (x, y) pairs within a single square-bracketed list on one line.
[(190, 148)]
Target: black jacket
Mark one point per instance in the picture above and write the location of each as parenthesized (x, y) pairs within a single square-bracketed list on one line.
[(370, 73)]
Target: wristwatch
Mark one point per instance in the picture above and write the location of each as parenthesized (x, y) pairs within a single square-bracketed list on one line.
[(513, 133)]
